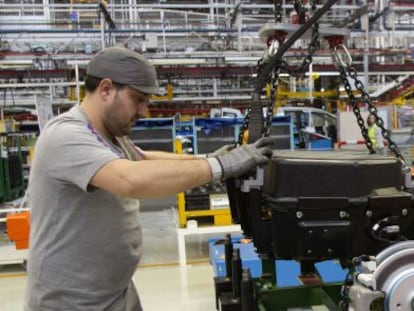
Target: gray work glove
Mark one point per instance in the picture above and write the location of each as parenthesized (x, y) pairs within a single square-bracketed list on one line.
[(244, 158), (220, 151)]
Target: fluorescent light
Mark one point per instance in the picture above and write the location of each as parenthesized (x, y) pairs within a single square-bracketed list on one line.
[(241, 59), (178, 61), (13, 63), (79, 62)]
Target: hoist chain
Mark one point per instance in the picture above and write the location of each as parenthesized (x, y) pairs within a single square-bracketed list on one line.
[(244, 127), (274, 77), (346, 70), (300, 10), (315, 30), (355, 108), (313, 45), (278, 11), (373, 110)]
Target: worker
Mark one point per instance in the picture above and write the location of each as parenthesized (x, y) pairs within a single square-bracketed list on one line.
[(374, 134), (85, 182)]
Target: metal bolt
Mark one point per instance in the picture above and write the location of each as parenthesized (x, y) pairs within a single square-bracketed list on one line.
[(404, 212), (310, 231), (342, 214), (309, 251), (329, 250), (299, 215), (325, 230), (369, 213)]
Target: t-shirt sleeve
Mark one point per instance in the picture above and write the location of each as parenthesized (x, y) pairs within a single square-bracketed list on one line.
[(76, 153)]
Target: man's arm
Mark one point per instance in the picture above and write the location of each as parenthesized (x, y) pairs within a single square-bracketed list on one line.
[(156, 178), (150, 179), (160, 155)]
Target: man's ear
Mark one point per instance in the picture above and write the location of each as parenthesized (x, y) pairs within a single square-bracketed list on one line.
[(106, 88)]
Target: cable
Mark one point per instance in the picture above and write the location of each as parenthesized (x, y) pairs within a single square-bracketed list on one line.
[(275, 61), (391, 223)]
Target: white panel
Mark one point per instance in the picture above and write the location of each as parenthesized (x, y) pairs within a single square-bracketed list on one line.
[(348, 128)]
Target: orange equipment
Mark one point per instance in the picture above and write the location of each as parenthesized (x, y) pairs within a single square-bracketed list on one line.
[(18, 227)]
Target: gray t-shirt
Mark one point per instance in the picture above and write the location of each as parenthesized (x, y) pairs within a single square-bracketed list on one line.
[(84, 242)]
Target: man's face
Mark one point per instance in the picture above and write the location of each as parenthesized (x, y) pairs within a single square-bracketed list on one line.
[(128, 105)]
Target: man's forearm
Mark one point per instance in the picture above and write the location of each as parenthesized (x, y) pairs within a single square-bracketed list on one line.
[(160, 155), (158, 178)]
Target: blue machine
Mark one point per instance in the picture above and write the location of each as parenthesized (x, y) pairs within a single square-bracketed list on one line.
[(287, 271), (248, 256)]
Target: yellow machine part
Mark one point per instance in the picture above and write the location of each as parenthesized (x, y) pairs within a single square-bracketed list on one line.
[(168, 93), (222, 217)]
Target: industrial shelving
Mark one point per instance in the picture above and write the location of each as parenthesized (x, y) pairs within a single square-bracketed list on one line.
[(195, 39)]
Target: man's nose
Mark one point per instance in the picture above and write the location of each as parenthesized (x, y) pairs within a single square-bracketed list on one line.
[(142, 111)]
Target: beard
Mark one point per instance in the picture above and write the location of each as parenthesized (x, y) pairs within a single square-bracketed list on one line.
[(115, 125)]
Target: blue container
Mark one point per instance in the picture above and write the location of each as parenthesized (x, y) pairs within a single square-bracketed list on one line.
[(248, 256)]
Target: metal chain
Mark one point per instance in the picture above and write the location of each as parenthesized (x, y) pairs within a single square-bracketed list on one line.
[(355, 108), (278, 11), (345, 69), (313, 45), (300, 10), (373, 110), (315, 29), (244, 127), (274, 77)]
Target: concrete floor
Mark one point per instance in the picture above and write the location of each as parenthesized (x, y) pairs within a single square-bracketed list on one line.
[(161, 282), (161, 288)]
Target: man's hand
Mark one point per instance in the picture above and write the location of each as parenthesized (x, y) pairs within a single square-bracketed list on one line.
[(244, 158)]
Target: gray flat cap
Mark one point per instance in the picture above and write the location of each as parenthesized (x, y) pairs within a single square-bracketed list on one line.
[(125, 67)]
